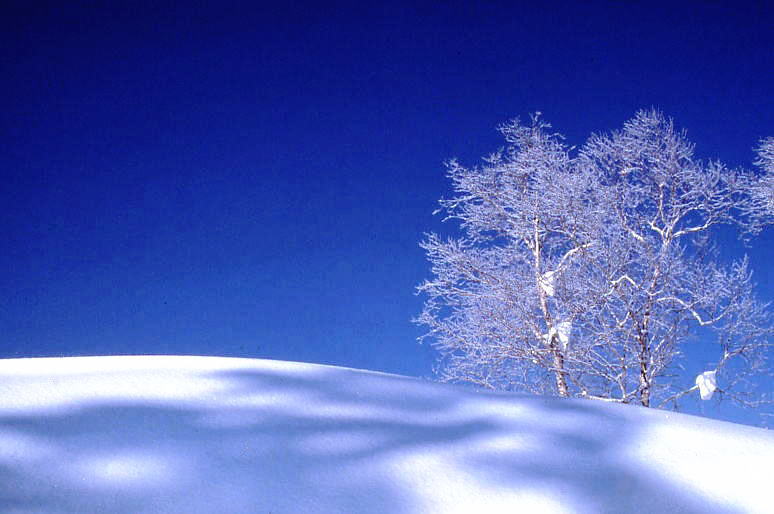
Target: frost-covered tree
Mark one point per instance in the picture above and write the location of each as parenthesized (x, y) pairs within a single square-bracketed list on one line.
[(666, 204), (763, 191), (584, 275)]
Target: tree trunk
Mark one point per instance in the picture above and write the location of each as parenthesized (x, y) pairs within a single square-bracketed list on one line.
[(558, 358), (561, 381), (644, 385), (644, 361)]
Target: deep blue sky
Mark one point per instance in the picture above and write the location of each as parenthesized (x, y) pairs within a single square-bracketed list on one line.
[(222, 179)]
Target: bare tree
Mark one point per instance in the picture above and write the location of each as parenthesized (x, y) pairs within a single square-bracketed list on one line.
[(585, 275)]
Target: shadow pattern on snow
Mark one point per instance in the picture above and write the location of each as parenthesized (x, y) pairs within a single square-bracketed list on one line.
[(319, 439)]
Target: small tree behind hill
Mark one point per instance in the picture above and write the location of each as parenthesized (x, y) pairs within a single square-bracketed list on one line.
[(585, 275)]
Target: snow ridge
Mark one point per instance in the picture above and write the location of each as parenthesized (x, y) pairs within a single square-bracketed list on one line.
[(147, 434)]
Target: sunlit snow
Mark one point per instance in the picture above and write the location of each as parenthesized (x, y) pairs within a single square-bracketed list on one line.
[(202, 434)]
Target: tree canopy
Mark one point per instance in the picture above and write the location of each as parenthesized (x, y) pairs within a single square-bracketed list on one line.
[(585, 272)]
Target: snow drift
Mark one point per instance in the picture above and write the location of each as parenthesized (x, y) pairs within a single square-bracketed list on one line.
[(203, 434)]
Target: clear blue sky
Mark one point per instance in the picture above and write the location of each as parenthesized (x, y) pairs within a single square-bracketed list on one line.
[(226, 179)]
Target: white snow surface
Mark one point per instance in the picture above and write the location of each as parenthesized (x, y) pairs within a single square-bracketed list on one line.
[(167, 434)]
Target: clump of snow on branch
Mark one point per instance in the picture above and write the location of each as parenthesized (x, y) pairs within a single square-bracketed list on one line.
[(547, 282), (707, 383), (562, 332)]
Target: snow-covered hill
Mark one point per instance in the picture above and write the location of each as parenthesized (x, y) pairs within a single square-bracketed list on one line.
[(215, 435)]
